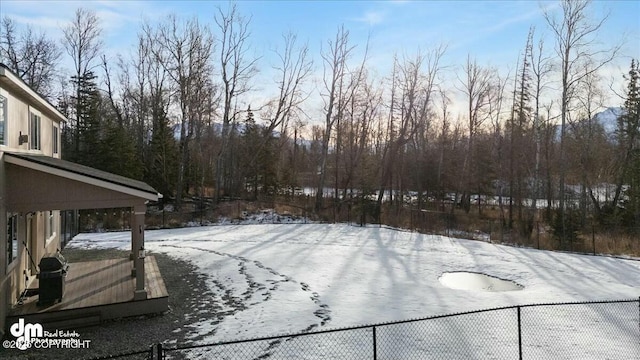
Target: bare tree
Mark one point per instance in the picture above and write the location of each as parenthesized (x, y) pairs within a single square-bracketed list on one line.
[(293, 71), (548, 135), (592, 138), (83, 44), (150, 92), (184, 50), (335, 82), (237, 69), (418, 105), (541, 67), (31, 55), (110, 91), (443, 135), (134, 76), (356, 82), (477, 86), (496, 110), (82, 40), (575, 44)]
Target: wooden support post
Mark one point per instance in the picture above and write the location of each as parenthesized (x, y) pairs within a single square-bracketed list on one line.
[(137, 241)]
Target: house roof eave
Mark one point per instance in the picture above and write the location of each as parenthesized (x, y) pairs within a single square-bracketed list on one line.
[(13, 81), (83, 174)]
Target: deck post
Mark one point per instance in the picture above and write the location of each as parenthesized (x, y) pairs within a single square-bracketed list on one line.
[(137, 247), (132, 254), (134, 240)]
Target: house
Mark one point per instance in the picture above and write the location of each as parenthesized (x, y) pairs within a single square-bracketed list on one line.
[(36, 185)]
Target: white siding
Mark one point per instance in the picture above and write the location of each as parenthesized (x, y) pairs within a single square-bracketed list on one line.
[(18, 119)]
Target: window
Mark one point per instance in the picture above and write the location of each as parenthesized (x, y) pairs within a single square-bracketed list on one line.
[(56, 132), (3, 119), (50, 226), (12, 237), (34, 132)]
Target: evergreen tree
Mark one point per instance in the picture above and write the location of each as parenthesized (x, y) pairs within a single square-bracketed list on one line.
[(81, 136), (258, 159), (95, 138), (629, 133), (160, 169), (268, 159), (118, 151), (519, 124), (250, 140)]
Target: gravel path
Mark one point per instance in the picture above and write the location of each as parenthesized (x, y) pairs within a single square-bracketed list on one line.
[(133, 334)]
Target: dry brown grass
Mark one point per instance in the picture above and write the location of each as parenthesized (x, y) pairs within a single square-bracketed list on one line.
[(614, 243), (470, 225)]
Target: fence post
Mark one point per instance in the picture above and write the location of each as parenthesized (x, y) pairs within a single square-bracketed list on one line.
[(159, 353), (375, 344), (519, 334)]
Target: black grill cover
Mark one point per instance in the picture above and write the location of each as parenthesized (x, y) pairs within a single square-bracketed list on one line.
[(53, 270), (53, 262)]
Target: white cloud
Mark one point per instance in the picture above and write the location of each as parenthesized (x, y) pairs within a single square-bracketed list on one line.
[(371, 18), (525, 17), (43, 22), (112, 14)]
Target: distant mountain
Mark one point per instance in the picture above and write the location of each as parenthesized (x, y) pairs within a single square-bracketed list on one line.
[(609, 119), (216, 126), (217, 129)]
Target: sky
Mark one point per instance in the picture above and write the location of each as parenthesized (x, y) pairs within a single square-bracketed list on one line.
[(493, 32)]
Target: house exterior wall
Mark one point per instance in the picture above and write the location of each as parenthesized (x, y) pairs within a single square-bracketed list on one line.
[(5, 275), (38, 231), (18, 122)]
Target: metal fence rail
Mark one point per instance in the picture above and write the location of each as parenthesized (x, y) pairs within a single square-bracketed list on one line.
[(147, 354), (586, 330)]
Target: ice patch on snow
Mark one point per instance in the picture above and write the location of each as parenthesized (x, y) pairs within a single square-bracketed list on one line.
[(477, 282)]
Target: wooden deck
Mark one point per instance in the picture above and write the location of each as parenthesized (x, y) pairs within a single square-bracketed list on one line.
[(97, 291)]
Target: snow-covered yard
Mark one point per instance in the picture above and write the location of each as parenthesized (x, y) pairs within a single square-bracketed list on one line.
[(275, 279)]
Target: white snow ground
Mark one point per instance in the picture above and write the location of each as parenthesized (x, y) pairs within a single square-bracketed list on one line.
[(278, 279), (463, 280)]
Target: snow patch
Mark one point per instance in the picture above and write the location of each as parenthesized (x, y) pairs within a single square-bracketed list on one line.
[(477, 282), (265, 216), (271, 279)]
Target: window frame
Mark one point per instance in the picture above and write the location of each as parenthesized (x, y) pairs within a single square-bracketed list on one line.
[(13, 246), (56, 141), (35, 132)]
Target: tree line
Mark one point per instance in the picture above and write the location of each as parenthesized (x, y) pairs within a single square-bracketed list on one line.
[(175, 114)]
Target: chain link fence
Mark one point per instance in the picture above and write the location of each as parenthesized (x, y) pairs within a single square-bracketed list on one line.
[(586, 330), (353, 343), (604, 330), (148, 354), (532, 233), (193, 213)]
